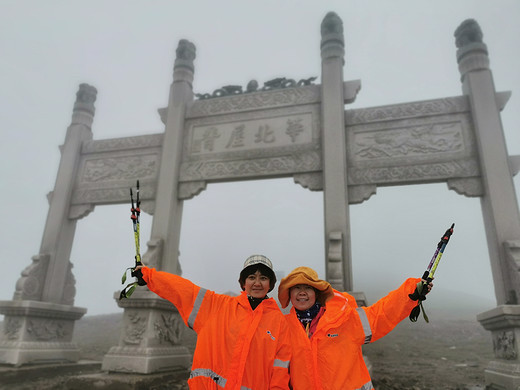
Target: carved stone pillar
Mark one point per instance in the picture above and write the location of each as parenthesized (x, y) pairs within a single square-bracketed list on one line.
[(40, 320), (145, 314), (499, 202), (338, 265), (499, 206)]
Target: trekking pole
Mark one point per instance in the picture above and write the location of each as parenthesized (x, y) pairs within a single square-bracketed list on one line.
[(136, 212), (134, 216), (428, 275)]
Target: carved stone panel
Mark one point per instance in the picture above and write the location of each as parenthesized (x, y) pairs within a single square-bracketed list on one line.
[(275, 142), (504, 345), (413, 142), (109, 167)]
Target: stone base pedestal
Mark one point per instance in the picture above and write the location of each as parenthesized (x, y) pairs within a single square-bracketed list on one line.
[(150, 338), (504, 324), (38, 332)]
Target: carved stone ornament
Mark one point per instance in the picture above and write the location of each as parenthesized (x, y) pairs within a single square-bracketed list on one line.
[(423, 173), (69, 289), (310, 180), (255, 101), (470, 187), (467, 33), (86, 94), (332, 40), (335, 247), (153, 256), (358, 194), (512, 254), (512, 249), (80, 211), (168, 328), (418, 140), (190, 189), (30, 285), (472, 53), (252, 86), (335, 260), (85, 98), (148, 206), (44, 329), (110, 194), (185, 55), (135, 328), (119, 168), (424, 108), (332, 24), (504, 345), (137, 143), (12, 328)]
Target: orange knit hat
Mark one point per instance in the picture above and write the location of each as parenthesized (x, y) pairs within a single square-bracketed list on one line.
[(303, 275)]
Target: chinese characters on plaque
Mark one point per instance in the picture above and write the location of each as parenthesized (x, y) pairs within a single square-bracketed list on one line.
[(251, 134)]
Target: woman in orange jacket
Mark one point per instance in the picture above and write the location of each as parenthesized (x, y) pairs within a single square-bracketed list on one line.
[(242, 341), (328, 330)]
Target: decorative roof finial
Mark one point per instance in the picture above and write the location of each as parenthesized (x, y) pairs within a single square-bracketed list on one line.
[(83, 111), (472, 53), (332, 40), (185, 54)]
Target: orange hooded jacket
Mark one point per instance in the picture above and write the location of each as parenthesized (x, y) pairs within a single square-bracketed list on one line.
[(237, 347), (332, 358)]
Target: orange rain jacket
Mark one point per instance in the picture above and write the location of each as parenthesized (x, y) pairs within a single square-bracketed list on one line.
[(332, 358), (237, 347)]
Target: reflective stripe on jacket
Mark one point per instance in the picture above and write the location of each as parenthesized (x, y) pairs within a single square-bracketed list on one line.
[(332, 358), (237, 347)]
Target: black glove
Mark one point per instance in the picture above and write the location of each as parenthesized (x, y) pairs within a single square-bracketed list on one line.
[(419, 296), (136, 273)]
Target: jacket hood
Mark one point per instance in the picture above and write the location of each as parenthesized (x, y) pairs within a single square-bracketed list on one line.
[(303, 275)]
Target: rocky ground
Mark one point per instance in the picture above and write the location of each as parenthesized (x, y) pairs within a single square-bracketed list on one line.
[(447, 353)]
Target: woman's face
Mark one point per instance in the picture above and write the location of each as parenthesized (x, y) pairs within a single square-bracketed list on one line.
[(257, 285), (302, 296)]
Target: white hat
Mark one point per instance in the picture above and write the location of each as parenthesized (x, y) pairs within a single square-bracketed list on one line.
[(258, 259)]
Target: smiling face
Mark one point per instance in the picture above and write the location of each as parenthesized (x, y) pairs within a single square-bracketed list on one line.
[(302, 296), (256, 285)]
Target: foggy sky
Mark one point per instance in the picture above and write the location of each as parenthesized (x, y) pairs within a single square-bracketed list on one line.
[(402, 51)]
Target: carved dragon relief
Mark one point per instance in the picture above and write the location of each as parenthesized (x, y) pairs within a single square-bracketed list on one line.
[(419, 140), (252, 86)]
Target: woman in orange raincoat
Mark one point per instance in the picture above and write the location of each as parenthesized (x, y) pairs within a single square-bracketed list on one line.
[(242, 341), (328, 330)]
